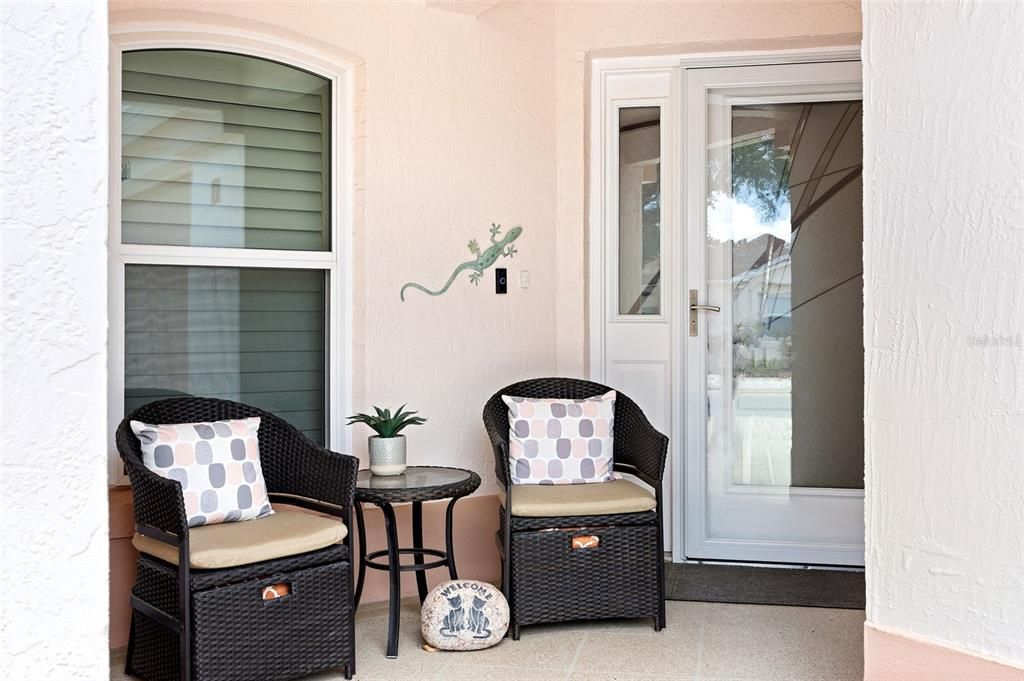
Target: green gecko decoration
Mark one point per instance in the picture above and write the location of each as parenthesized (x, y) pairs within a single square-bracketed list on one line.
[(499, 247)]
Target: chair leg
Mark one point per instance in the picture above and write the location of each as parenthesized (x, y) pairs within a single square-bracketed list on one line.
[(128, 669), (185, 657), (506, 566), (350, 668), (659, 619), (184, 612)]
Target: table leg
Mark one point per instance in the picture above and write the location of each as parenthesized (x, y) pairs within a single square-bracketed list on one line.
[(417, 543), (394, 578), (361, 529), (448, 545)]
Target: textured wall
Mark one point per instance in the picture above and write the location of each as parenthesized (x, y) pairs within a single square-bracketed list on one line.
[(455, 127), (465, 120), (944, 318), (52, 409), (454, 121)]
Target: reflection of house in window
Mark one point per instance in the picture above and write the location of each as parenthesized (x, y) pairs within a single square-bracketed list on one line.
[(791, 226), (639, 249)]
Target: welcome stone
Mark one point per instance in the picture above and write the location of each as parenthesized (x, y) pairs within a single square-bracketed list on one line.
[(464, 615)]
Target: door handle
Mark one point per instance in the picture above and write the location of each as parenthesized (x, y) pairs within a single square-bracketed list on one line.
[(695, 307)]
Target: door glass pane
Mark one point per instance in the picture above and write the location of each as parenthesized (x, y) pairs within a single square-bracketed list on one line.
[(245, 334), (224, 150), (640, 210), (784, 234)]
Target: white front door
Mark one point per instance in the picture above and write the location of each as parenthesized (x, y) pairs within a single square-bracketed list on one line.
[(774, 445)]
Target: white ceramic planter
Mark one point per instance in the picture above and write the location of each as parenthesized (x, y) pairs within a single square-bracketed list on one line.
[(387, 455)]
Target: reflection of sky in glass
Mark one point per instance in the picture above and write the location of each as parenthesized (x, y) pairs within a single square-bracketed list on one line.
[(736, 218), (759, 199)]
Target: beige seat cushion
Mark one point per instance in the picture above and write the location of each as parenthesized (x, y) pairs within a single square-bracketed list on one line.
[(285, 533), (598, 498)]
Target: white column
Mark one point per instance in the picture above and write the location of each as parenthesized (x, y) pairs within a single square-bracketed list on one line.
[(53, 440), (943, 322)]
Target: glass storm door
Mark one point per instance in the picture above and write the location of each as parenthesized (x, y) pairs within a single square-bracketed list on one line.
[(774, 302)]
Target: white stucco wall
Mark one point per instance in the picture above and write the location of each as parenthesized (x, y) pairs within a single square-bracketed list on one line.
[(944, 318), (53, 291)]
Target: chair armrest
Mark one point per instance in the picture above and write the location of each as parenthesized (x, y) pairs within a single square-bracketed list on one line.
[(640, 448), (157, 501), (497, 431), (317, 474)]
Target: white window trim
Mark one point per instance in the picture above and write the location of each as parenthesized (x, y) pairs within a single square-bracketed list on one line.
[(337, 262), (632, 86)]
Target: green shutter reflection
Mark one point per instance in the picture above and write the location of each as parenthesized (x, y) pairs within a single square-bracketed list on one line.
[(252, 335), (223, 150)]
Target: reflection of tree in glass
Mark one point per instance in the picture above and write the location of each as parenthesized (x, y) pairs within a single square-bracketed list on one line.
[(751, 357), (760, 177)]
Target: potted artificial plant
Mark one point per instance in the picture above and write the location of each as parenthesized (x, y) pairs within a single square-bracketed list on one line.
[(387, 447)]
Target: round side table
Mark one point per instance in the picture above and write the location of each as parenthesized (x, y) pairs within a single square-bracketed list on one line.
[(416, 485)]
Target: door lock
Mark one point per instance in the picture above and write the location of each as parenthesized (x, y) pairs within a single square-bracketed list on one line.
[(695, 308)]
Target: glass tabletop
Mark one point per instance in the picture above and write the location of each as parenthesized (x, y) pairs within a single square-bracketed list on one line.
[(414, 477)]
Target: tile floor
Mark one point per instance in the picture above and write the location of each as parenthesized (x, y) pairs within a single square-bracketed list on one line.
[(704, 641)]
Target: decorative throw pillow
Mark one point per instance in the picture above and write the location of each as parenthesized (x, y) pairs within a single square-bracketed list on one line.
[(560, 442), (217, 464)]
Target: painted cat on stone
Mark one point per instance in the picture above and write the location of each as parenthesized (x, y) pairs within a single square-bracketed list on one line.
[(479, 624), (455, 620), (464, 615)]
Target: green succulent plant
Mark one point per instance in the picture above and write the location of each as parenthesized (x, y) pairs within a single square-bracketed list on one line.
[(385, 424)]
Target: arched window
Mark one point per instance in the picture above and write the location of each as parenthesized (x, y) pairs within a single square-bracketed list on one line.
[(224, 249)]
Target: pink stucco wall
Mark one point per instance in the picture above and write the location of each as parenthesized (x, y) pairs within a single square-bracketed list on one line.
[(585, 30), (462, 121), (889, 656)]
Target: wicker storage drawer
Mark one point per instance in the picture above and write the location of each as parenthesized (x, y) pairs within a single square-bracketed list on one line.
[(617, 577), (239, 636)]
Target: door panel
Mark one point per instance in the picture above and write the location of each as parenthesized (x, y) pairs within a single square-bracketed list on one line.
[(631, 348), (774, 380)]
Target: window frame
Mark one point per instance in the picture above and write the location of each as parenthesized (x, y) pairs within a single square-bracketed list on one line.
[(335, 263)]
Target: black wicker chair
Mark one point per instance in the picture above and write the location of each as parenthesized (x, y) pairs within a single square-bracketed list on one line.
[(213, 625), (543, 578)]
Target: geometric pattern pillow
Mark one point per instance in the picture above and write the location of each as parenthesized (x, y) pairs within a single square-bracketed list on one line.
[(560, 442), (217, 464)]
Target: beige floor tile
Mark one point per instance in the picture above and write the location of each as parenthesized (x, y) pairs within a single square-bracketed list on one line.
[(682, 619), (791, 644), (709, 641), (771, 615), (403, 668), (467, 671), (117, 665), (649, 656), (622, 676), (552, 649)]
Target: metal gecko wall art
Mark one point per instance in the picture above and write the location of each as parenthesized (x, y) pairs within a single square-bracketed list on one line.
[(500, 246)]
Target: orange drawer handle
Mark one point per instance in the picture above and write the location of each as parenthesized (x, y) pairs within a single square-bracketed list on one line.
[(275, 591), (585, 541)]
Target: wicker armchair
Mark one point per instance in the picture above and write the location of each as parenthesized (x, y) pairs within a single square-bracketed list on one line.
[(213, 624), (543, 578)]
